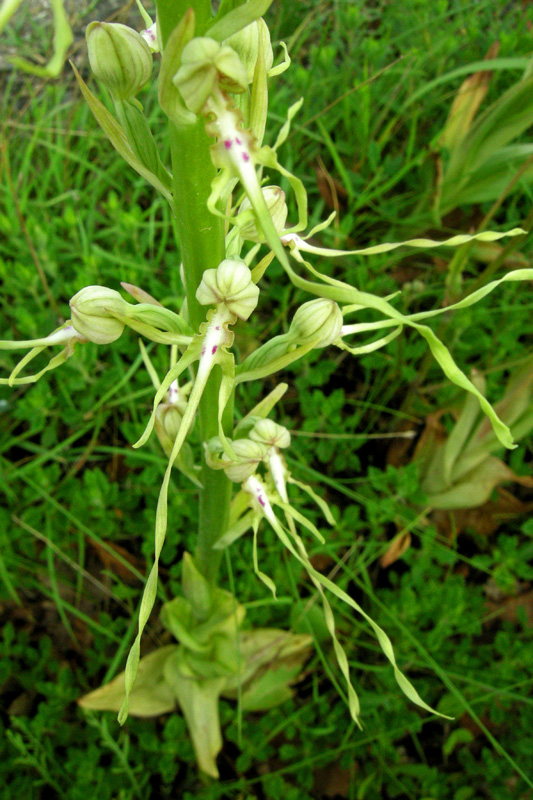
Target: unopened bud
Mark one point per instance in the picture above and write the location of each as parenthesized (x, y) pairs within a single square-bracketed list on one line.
[(275, 200), (171, 415), (168, 418), (246, 44), (231, 284), (319, 319), (119, 57), (270, 433), (93, 309), (206, 64), (250, 455)]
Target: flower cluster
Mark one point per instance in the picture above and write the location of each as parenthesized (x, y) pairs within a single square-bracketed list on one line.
[(218, 81)]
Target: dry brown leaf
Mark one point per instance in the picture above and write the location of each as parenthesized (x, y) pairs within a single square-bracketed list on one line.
[(507, 609), (332, 192), (484, 520), (467, 101), (333, 781), (396, 549), (114, 564)]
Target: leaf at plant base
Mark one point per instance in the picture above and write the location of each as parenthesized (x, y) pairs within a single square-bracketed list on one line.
[(488, 252), (485, 519), (462, 430), (466, 103), (151, 695), (272, 660), (198, 700), (497, 127), (476, 487), (196, 589), (491, 179)]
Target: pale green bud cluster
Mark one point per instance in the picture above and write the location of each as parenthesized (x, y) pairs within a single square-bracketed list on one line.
[(248, 454), (120, 58), (168, 417), (206, 65), (319, 320), (269, 433), (262, 435), (277, 207), (93, 309), (230, 284)]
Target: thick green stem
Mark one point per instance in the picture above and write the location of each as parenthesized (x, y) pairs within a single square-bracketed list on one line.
[(201, 241)]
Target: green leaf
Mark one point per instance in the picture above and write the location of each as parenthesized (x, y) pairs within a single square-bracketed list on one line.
[(505, 120), (237, 19), (493, 64), (63, 38), (198, 699), (7, 9), (151, 695), (119, 140), (169, 95)]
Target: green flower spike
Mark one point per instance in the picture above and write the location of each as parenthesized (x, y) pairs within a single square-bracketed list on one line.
[(208, 74), (229, 289)]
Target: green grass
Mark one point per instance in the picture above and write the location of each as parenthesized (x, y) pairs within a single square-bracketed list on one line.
[(74, 489)]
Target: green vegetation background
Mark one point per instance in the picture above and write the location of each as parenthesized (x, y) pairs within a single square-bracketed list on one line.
[(77, 516)]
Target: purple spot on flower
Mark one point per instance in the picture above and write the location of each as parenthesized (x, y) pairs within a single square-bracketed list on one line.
[(213, 351), (261, 501), (217, 328), (203, 351), (238, 140), (245, 157), (227, 144)]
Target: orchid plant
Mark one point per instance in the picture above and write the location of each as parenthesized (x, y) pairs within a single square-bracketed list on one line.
[(231, 219)]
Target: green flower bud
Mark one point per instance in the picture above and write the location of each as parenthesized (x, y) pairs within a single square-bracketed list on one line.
[(206, 64), (246, 44), (318, 319), (270, 433), (231, 284), (119, 57), (250, 455), (275, 200), (93, 310), (168, 418)]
